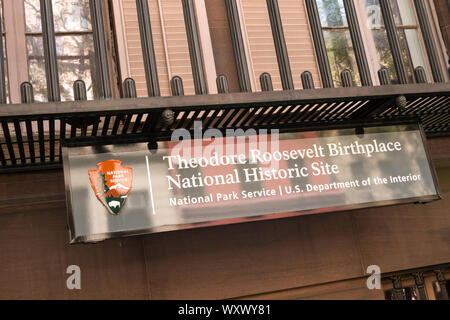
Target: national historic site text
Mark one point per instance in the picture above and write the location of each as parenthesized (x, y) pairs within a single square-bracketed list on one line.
[(300, 172)]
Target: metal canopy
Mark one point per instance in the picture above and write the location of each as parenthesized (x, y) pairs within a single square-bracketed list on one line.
[(30, 134)]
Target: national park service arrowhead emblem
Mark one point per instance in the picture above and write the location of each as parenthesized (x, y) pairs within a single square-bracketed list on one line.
[(111, 183)]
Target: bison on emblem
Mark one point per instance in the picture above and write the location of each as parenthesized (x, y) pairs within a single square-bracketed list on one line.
[(111, 183)]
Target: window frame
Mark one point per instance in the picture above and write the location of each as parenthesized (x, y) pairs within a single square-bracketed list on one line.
[(16, 49)]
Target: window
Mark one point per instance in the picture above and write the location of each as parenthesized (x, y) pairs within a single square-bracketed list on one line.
[(337, 39), (74, 47), (408, 32), (339, 45)]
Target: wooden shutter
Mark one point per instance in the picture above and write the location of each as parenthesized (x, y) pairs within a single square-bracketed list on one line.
[(260, 42), (170, 42)]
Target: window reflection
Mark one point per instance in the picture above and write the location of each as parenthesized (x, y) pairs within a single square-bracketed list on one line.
[(332, 13), (71, 15), (75, 61), (32, 16), (36, 67), (340, 54)]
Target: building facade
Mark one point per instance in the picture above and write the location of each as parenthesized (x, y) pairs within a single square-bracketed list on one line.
[(210, 53)]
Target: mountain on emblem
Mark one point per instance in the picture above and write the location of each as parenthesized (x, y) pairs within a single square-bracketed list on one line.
[(111, 183)]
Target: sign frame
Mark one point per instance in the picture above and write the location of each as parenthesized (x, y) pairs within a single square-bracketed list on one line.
[(66, 144)]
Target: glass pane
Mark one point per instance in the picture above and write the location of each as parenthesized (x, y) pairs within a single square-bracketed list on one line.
[(71, 15), (340, 53), (32, 16), (384, 51), (403, 12), (36, 67), (75, 62), (415, 47), (332, 13), (416, 54), (374, 16)]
